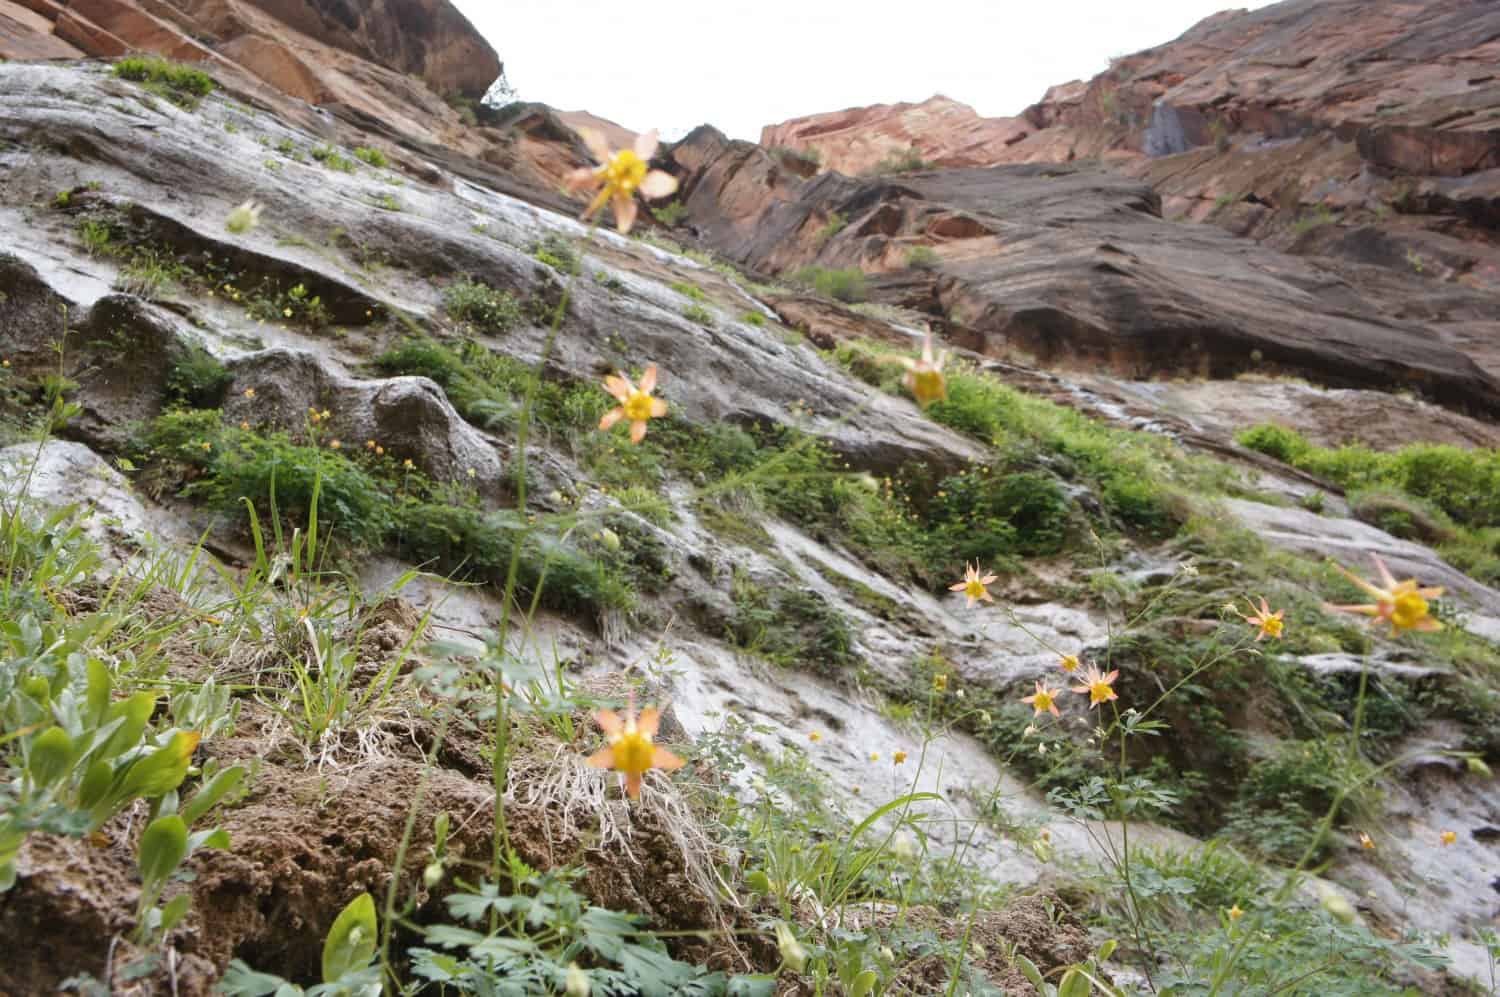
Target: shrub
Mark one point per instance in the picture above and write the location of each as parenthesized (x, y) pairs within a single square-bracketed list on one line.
[(670, 214), (182, 85), (753, 318), (899, 162), (699, 314), (921, 257), (197, 379), (330, 157), (482, 306), (843, 285), (836, 224), (792, 627)]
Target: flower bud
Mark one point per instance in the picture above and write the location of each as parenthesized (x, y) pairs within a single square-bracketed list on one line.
[(1478, 767), (609, 538), (792, 952), (577, 982), (432, 875)]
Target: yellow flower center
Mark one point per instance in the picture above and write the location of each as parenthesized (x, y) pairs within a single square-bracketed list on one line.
[(975, 589), (1042, 702), (638, 406), (1099, 692), (1410, 609), (633, 751), (1070, 663), (1272, 625), (626, 170), (927, 385)]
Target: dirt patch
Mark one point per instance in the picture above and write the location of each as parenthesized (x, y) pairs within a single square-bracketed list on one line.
[(1040, 927)]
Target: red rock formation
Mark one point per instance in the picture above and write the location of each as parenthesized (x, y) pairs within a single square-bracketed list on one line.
[(939, 129)]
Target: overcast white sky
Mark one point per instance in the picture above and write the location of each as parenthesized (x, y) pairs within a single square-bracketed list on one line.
[(742, 65)]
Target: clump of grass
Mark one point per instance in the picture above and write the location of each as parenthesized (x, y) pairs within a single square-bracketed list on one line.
[(921, 257), (907, 161), (182, 85), (371, 157), (333, 159), (556, 252), (482, 307), (836, 223), (671, 213), (699, 314), (197, 379), (847, 284)]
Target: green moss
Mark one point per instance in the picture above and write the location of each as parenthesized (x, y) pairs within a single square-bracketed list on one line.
[(848, 284), (482, 307), (793, 627), (373, 157)]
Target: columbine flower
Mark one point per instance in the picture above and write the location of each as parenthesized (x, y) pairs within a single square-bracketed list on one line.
[(1401, 604), (244, 218), (636, 404), (1042, 700), (1099, 687), (974, 585), (619, 175), (1270, 623), (899, 758), (1366, 842), (630, 751), (924, 377), (407, 464), (940, 682), (1069, 663), (1235, 913), (814, 736), (1448, 837)]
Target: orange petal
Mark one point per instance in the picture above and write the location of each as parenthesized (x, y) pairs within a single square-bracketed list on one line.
[(611, 417), (645, 144), (624, 213), (647, 722), (1385, 573), (609, 721), (596, 145), (957, 586), (619, 386), (661, 758), (657, 184), (658, 408), (648, 380), (581, 179), (637, 431), (602, 759), (633, 785)]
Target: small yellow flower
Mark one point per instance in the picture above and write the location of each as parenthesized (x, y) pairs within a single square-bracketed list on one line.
[(1235, 913), (369, 444), (286, 312), (206, 445), (472, 472), (619, 175), (1366, 842), (1270, 623), (874, 756), (899, 758), (408, 464), (334, 444), (1069, 663), (814, 736), (940, 682), (974, 586), (326, 414), (924, 377), (1042, 700), (1401, 604), (1100, 688), (5, 364), (249, 392), (636, 404), (379, 451), (243, 218), (245, 425), (631, 751), (1448, 837)]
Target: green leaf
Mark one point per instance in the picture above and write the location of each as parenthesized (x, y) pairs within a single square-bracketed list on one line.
[(1074, 984), (216, 838), (97, 696), (164, 845), (161, 771), (206, 798), (863, 984), (51, 756), (1028, 969), (351, 941), (175, 910), (135, 712), (1107, 949)]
